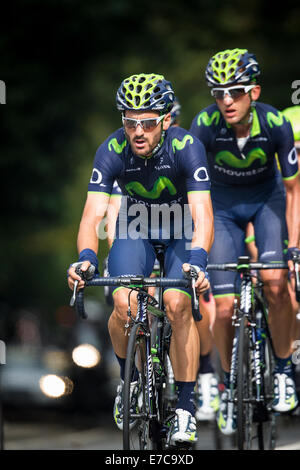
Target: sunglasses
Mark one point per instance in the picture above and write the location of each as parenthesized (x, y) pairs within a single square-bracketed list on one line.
[(147, 124), (233, 92)]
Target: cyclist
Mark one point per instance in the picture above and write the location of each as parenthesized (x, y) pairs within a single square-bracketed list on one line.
[(293, 115), (154, 164), (241, 137), (206, 391)]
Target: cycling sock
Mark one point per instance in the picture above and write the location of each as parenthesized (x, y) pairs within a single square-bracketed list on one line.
[(284, 366), (205, 364), (122, 362), (185, 392)]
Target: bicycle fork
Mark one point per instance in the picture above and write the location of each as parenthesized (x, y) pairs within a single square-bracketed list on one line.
[(244, 313), (241, 313)]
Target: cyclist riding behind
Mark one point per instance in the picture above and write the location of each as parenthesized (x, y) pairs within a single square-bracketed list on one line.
[(154, 164), (293, 115), (241, 137)]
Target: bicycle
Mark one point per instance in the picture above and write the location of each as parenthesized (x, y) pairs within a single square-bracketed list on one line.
[(147, 360), (252, 357)]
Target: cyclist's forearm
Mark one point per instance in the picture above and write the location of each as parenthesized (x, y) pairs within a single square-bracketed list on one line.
[(87, 238), (202, 214), (92, 216), (293, 212)]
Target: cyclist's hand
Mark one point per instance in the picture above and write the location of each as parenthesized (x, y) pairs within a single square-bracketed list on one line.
[(73, 276), (202, 283)]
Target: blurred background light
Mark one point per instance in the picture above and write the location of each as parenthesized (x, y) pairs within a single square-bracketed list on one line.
[(86, 355), (54, 386)]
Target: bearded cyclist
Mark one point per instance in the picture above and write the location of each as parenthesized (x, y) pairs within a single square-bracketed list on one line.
[(241, 137), (154, 164)]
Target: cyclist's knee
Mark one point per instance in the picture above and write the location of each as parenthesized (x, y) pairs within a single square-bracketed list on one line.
[(120, 305), (224, 309), (276, 290), (178, 307)]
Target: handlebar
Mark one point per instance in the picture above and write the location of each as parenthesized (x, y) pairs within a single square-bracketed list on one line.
[(135, 281), (243, 265)]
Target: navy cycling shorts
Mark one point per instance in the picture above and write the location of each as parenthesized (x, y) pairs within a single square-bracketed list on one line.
[(137, 256), (234, 207)]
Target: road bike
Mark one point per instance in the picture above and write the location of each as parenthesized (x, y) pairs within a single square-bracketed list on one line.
[(148, 366), (252, 357)]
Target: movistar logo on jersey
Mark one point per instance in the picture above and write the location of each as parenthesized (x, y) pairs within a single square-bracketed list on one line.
[(231, 160), (159, 185), (207, 120), (275, 119), (114, 144), (180, 144)]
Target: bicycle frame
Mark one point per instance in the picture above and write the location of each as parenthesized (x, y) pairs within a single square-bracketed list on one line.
[(247, 317), (149, 376)]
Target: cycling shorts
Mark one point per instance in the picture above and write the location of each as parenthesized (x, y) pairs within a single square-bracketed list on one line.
[(264, 206), (137, 257)]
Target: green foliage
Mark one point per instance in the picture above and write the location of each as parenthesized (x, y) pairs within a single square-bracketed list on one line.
[(62, 62)]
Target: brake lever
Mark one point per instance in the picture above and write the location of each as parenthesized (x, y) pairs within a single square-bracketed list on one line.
[(296, 261), (85, 275), (192, 275)]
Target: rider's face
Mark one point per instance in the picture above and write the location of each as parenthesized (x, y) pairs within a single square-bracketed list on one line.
[(235, 110), (142, 141)]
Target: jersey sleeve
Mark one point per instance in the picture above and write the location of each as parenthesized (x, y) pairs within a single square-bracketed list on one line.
[(116, 190), (107, 166), (192, 163), (286, 151)]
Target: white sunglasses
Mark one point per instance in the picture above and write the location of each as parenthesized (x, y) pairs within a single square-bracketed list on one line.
[(147, 124), (233, 92)]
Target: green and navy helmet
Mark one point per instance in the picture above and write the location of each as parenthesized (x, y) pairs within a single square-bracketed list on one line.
[(230, 67), (293, 115), (145, 92)]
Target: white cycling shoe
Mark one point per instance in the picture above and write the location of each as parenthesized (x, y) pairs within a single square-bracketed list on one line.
[(207, 399), (285, 395)]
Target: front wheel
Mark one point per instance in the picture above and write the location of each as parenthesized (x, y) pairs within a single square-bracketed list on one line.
[(138, 421), (244, 389)]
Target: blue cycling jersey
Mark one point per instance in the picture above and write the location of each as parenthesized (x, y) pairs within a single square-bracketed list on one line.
[(246, 187), (270, 134), (178, 167), (165, 179)]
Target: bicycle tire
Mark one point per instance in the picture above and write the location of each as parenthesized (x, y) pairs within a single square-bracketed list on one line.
[(267, 424), (244, 407), (137, 437)]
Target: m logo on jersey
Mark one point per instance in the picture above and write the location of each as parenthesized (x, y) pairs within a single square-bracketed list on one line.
[(159, 185), (231, 160)]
